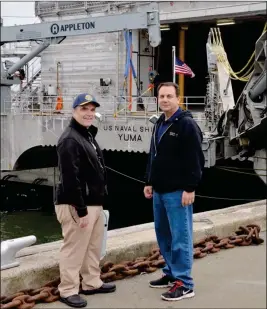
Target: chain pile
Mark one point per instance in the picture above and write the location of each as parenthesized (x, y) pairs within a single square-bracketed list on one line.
[(111, 272), (26, 299), (244, 236)]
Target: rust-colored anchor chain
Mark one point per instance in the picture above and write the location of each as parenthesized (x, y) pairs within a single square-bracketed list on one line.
[(26, 299), (111, 272), (244, 236)]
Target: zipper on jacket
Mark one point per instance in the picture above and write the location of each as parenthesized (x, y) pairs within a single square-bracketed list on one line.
[(160, 137), (155, 147), (87, 189), (154, 137), (91, 141)]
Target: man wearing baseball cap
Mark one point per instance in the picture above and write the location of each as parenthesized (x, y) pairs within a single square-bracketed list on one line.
[(79, 204)]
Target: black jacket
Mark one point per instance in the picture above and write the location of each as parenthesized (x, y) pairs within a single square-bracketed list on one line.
[(177, 162), (82, 169)]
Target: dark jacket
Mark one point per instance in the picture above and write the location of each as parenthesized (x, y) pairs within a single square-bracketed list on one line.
[(177, 161), (82, 169)]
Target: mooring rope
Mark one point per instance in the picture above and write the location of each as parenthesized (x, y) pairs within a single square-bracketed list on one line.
[(198, 195)]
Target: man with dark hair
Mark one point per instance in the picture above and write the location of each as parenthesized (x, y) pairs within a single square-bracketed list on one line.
[(80, 196), (174, 170)]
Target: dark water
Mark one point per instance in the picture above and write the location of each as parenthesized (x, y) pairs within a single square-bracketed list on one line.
[(126, 202), (39, 223)]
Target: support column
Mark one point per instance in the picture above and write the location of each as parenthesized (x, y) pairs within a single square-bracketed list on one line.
[(132, 85), (130, 77), (182, 58)]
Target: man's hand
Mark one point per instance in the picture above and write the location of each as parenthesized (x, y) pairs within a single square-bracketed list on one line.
[(188, 198), (148, 192), (84, 221)]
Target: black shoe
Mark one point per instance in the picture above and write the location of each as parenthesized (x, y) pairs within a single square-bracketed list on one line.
[(164, 282), (105, 288), (74, 301), (178, 292)]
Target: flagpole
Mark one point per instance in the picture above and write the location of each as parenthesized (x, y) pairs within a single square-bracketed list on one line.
[(181, 57), (173, 63)]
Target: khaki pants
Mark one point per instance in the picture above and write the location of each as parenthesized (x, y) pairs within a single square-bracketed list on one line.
[(81, 250)]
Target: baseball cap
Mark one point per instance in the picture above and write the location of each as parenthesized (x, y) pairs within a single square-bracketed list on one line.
[(84, 98)]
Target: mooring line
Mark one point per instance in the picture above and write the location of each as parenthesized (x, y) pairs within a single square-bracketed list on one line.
[(198, 195)]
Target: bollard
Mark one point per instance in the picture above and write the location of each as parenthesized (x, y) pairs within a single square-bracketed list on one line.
[(9, 249)]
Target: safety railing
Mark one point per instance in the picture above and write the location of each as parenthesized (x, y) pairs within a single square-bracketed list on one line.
[(16, 48), (53, 8), (135, 106), (112, 106), (117, 107), (31, 81), (34, 67)]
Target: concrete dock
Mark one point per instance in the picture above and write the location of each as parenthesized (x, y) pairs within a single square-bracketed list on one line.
[(233, 278)]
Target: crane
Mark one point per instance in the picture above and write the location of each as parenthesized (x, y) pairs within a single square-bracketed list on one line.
[(56, 32)]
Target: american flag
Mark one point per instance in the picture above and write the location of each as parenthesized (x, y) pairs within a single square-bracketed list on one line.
[(182, 68)]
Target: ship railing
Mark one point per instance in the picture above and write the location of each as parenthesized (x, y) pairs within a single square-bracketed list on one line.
[(33, 68), (116, 106), (16, 47), (193, 103), (125, 106), (109, 106), (146, 106), (81, 7)]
